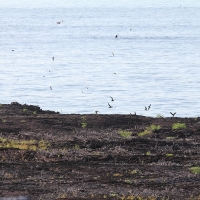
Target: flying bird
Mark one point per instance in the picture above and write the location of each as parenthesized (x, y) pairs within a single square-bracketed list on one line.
[(111, 98), (96, 111), (116, 36), (53, 58), (109, 106), (173, 114), (147, 108)]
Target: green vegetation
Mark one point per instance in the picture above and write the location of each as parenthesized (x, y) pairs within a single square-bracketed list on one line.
[(149, 130), (159, 116), (128, 181), (169, 154), (135, 171), (148, 153), (83, 118), (145, 132), (195, 170), (34, 112), (77, 147), (117, 174), (24, 110), (154, 127), (113, 195), (178, 126), (84, 124), (34, 145), (125, 134)]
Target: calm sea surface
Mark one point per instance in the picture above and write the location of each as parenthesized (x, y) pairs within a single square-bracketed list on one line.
[(154, 60)]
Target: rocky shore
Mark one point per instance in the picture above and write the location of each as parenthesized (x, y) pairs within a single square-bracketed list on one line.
[(48, 155)]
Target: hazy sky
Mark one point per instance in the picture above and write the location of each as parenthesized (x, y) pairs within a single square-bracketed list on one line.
[(94, 3)]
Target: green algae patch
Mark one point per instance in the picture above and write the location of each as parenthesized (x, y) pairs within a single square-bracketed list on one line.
[(195, 170), (178, 126), (125, 134), (149, 130), (34, 145)]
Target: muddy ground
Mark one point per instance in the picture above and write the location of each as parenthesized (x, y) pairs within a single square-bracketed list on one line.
[(47, 155)]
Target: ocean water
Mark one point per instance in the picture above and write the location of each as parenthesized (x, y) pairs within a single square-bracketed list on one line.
[(154, 60)]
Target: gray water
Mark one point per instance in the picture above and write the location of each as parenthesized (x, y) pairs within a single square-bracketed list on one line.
[(155, 59)]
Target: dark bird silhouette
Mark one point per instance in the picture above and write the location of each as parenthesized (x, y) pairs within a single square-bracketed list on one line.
[(116, 36), (50, 88), (173, 114), (58, 22), (147, 108), (96, 111), (12, 50), (111, 98), (53, 58), (109, 106)]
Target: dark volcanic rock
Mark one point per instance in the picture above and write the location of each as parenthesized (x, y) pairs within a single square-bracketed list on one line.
[(47, 155)]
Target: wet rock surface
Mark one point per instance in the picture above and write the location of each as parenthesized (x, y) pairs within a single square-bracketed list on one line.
[(47, 155)]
